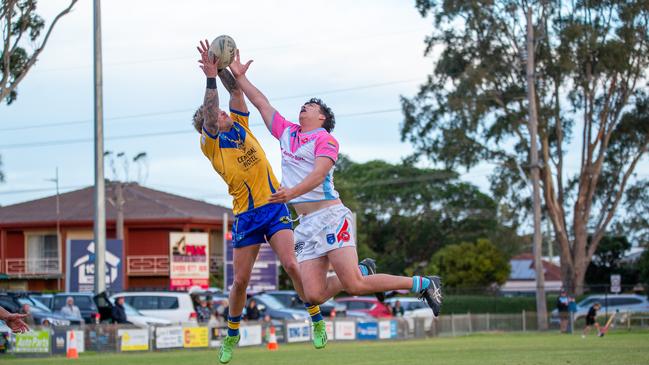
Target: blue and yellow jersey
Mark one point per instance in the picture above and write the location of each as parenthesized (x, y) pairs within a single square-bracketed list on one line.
[(238, 157)]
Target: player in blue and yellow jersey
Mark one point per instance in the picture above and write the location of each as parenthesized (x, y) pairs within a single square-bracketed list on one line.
[(234, 152)]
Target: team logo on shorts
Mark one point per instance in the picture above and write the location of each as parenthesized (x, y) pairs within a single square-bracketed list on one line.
[(299, 246), (343, 233), (285, 219), (331, 238)]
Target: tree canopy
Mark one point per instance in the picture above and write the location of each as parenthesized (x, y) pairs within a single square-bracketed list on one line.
[(591, 59)]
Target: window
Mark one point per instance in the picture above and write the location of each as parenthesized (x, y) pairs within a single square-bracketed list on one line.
[(143, 302), (167, 303), (614, 302), (356, 305), (42, 253)]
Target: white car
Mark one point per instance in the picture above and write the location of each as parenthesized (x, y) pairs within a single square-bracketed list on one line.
[(413, 308), (624, 303), (176, 307), (139, 319)]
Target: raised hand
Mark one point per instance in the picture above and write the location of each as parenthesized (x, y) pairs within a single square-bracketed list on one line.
[(207, 65), (237, 68), (15, 322)]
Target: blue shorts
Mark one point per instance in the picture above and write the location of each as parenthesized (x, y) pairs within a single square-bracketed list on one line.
[(255, 226)]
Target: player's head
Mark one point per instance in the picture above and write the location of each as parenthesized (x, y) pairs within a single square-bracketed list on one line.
[(316, 112), (223, 120), (597, 305)]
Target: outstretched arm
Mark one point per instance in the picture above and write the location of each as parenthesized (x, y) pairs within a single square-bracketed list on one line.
[(211, 99), (237, 100), (14, 321), (315, 178), (255, 96)]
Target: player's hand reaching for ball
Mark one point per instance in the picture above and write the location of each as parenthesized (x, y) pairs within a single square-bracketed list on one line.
[(282, 195), (208, 66), (237, 68)]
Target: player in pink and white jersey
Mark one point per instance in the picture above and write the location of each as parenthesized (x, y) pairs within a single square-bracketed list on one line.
[(325, 234)]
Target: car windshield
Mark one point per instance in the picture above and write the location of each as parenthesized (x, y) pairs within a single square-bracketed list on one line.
[(269, 301), (35, 305), (130, 311)]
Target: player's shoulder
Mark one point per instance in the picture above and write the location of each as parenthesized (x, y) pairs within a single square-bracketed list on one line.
[(326, 137)]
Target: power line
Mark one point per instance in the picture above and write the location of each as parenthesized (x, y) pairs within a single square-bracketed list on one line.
[(176, 111), (155, 134)]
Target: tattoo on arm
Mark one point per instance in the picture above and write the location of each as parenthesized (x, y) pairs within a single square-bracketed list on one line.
[(229, 81), (211, 107)]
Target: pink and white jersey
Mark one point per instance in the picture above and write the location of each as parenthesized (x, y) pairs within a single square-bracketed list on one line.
[(299, 152)]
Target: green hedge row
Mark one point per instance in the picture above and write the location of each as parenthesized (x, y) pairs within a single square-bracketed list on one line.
[(461, 304)]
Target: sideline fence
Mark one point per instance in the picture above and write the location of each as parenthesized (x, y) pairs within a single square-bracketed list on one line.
[(127, 338)]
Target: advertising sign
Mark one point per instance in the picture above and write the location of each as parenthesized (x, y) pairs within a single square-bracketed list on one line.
[(59, 340), (78, 338), (265, 272), (298, 332), (34, 342), (196, 337), (80, 266), (133, 340), (329, 329), (215, 336), (616, 283), (367, 330), (345, 330), (250, 335), (189, 260), (168, 337), (388, 329)]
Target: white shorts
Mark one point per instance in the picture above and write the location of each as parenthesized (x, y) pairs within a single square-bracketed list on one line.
[(322, 231)]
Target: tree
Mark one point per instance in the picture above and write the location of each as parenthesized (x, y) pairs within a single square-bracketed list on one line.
[(471, 265), (591, 57), (643, 268), (20, 23), (608, 260), (406, 213)]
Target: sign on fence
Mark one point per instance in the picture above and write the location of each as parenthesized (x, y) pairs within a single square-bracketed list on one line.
[(250, 335), (367, 330), (133, 339), (196, 337), (330, 329), (298, 332), (387, 329), (168, 337), (34, 342), (345, 330), (616, 284)]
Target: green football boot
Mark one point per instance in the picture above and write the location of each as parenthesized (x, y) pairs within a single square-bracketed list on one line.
[(225, 354), (319, 334)]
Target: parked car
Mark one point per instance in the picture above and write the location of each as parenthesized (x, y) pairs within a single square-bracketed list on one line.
[(177, 307), (44, 298), (13, 303), (268, 304), (84, 301), (625, 303), (135, 317), (290, 299), (413, 308), (369, 305)]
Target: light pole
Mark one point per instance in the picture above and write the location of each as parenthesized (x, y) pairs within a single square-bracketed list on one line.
[(100, 188), (58, 222)]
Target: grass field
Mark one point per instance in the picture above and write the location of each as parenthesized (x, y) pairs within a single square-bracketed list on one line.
[(510, 349)]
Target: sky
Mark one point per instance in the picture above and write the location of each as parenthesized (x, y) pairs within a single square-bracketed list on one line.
[(359, 56)]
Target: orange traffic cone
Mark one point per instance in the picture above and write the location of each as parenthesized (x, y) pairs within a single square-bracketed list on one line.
[(72, 347), (272, 341)]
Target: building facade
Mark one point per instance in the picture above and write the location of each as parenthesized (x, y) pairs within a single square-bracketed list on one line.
[(33, 237)]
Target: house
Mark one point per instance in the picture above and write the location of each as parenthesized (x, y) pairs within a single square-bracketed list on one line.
[(522, 278), (32, 256)]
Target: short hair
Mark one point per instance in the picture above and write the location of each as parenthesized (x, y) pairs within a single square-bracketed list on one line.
[(198, 119), (330, 119)]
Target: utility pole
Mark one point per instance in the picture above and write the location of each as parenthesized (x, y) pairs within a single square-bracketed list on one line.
[(100, 188), (541, 305), (58, 221), (119, 204)]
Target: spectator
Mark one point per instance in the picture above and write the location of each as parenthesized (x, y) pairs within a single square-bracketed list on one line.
[(70, 310), (563, 303), (222, 310), (118, 312), (397, 310), (27, 311), (591, 319), (252, 312), (203, 312)]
